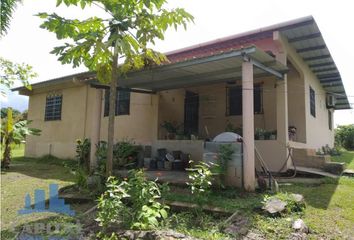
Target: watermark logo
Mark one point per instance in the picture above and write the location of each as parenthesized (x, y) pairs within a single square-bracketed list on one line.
[(56, 204)]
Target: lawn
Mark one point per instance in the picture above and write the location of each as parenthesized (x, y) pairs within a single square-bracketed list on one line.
[(347, 157), (329, 212), (24, 176)]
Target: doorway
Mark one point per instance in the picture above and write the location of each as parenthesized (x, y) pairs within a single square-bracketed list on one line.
[(191, 113)]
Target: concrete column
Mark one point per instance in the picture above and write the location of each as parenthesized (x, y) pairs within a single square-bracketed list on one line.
[(96, 111), (282, 109), (248, 127), (282, 103)]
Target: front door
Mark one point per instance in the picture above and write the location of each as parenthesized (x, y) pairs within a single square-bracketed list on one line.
[(191, 113)]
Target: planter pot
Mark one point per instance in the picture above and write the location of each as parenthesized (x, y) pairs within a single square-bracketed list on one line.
[(273, 137), (160, 165), (153, 164), (147, 162), (178, 165), (261, 137), (171, 136), (168, 165)]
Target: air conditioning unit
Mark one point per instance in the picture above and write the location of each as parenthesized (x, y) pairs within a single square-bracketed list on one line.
[(330, 101)]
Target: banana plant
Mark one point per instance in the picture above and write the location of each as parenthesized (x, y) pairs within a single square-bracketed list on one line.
[(14, 133)]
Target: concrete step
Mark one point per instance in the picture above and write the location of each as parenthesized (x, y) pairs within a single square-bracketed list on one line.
[(334, 167)]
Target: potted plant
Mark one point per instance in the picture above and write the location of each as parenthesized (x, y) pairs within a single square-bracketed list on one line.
[(273, 135), (259, 134), (171, 128), (267, 135)]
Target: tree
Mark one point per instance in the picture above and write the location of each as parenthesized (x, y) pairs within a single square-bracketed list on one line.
[(344, 136), (131, 27), (7, 7), (16, 114), (11, 72), (13, 134)]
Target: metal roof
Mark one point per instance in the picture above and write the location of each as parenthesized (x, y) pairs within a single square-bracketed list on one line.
[(68, 78), (221, 67), (307, 39), (303, 34)]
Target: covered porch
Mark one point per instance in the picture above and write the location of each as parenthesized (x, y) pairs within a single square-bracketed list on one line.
[(189, 93), (197, 81)]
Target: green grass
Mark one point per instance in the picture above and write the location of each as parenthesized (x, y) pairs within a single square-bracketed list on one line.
[(24, 176), (329, 212), (18, 150), (330, 208), (347, 157)]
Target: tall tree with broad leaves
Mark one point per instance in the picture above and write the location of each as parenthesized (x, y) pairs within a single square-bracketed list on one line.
[(132, 26), (7, 8)]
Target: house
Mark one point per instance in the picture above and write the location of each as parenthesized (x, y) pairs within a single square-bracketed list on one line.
[(273, 78)]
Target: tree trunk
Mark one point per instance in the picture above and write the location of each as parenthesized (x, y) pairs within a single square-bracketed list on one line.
[(5, 163), (111, 116)]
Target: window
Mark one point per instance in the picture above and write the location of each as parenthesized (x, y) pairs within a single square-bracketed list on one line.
[(53, 108), (330, 120), (234, 100), (122, 103), (312, 102)]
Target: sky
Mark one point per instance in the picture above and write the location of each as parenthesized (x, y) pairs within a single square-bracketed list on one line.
[(26, 42)]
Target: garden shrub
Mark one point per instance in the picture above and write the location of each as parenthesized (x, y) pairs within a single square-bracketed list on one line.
[(291, 204), (125, 153), (201, 177), (83, 152), (110, 203), (101, 155), (81, 178), (133, 203)]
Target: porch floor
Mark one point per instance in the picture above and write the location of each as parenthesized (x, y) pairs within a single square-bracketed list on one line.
[(172, 177)]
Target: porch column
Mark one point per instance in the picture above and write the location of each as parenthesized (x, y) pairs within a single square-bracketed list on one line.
[(95, 126), (282, 98), (248, 126), (282, 103)]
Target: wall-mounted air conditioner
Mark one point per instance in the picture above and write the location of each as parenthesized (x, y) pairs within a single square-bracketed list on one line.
[(330, 101)]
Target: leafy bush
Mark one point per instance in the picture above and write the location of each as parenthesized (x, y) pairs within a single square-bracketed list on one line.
[(132, 203), (101, 155), (201, 177), (344, 136), (110, 203), (81, 178), (146, 210), (83, 152), (125, 153), (291, 204), (224, 156)]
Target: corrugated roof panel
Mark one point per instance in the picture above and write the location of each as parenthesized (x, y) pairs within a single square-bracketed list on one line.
[(325, 65)]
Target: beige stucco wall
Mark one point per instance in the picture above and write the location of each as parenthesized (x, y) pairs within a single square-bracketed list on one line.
[(296, 104), (318, 133), (140, 125), (212, 108), (57, 137)]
